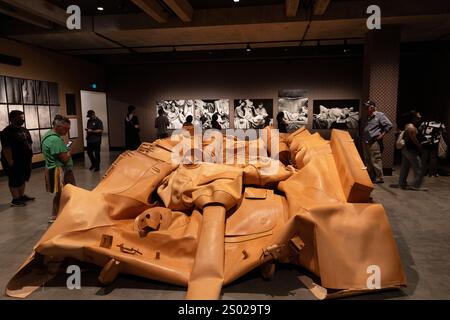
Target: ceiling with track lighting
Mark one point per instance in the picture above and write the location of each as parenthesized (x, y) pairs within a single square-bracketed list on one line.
[(148, 27)]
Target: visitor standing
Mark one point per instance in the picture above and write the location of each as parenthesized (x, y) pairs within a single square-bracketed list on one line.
[(16, 157), (132, 129), (377, 126)]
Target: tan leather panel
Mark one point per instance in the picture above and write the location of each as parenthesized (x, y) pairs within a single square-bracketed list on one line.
[(355, 179), (208, 230)]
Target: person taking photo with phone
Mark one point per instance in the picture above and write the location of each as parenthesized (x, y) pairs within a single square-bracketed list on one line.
[(58, 161)]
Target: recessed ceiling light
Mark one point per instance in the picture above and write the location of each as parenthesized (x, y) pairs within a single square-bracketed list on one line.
[(100, 6), (236, 1)]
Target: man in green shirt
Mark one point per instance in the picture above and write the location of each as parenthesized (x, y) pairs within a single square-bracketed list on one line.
[(58, 161)]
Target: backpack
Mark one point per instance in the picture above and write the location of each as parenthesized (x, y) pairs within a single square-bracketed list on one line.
[(400, 143)]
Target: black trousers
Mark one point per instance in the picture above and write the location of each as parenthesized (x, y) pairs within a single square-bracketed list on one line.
[(93, 151)]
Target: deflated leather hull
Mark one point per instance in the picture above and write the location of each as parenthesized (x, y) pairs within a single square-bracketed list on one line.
[(205, 225)]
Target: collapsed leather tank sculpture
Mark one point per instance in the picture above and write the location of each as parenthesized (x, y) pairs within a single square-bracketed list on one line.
[(204, 225)]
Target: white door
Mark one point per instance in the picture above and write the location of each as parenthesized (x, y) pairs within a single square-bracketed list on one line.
[(95, 101)]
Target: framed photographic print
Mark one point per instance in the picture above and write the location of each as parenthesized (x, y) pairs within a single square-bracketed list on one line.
[(29, 91), (4, 121), (33, 98), (44, 117), (42, 92), (294, 105), (14, 90), (3, 90), (73, 133), (53, 93), (253, 113), (202, 110), (18, 107), (54, 110), (31, 117), (35, 137), (336, 114)]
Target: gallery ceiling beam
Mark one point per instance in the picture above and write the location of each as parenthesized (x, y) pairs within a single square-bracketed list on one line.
[(24, 16), (292, 7), (182, 9), (320, 7), (41, 9), (153, 9)]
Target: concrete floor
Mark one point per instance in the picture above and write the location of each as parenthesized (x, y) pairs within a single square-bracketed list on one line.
[(420, 222)]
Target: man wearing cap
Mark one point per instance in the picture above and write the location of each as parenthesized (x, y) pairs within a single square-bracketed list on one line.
[(94, 139), (376, 127)]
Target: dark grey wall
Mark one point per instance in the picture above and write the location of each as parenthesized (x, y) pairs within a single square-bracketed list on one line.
[(142, 86)]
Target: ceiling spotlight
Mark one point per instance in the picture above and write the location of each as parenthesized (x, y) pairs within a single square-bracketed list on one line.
[(99, 6), (236, 1), (249, 49)]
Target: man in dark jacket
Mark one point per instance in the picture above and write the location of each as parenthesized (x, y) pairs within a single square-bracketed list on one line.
[(94, 139), (16, 157)]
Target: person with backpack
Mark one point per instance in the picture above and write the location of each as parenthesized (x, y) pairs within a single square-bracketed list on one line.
[(411, 149), (432, 132)]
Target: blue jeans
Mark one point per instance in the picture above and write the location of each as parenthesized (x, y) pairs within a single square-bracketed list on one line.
[(411, 158)]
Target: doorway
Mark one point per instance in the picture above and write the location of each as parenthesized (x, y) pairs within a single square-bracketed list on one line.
[(96, 101)]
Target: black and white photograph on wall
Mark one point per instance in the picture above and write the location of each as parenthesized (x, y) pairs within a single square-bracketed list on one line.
[(44, 117), (3, 116), (36, 146), (14, 90), (31, 117), (53, 93), (18, 107), (29, 91), (2, 90), (54, 110), (201, 110), (42, 92), (294, 105), (336, 114), (253, 113)]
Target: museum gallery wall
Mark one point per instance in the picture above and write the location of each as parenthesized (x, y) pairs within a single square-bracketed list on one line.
[(38, 100)]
